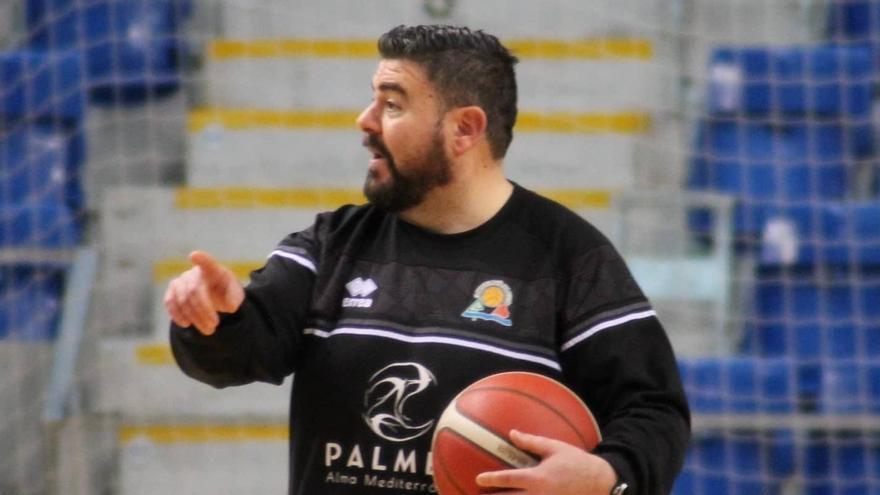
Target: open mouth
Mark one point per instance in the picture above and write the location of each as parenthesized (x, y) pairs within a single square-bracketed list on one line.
[(375, 147)]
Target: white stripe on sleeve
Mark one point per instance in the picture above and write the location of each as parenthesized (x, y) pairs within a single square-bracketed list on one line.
[(302, 260), (604, 326)]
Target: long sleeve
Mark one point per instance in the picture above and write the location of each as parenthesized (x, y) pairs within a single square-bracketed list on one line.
[(616, 355), (260, 341), (628, 376)]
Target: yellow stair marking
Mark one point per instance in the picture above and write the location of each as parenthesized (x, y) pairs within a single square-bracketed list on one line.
[(324, 199), (623, 122), (255, 198), (165, 270), (204, 433), (153, 355), (553, 49)]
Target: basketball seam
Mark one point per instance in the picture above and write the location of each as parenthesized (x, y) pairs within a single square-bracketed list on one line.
[(531, 398), (564, 387), (446, 473), (500, 439), (478, 447)]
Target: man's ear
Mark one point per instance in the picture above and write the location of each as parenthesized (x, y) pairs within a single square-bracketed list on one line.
[(469, 128)]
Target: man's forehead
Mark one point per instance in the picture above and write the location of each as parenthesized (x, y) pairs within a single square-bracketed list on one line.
[(402, 73)]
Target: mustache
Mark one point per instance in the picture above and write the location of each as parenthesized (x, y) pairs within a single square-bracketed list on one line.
[(373, 141)]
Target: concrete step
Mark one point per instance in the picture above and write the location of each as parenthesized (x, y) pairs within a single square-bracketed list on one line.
[(259, 19), (140, 380), (583, 75), (216, 458), (228, 147), (143, 225)]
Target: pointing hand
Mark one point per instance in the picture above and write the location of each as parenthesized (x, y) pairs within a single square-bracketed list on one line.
[(198, 295)]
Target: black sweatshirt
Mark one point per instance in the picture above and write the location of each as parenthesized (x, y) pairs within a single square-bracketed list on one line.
[(383, 323)]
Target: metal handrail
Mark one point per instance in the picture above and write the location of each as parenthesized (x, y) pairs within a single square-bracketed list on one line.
[(82, 270)]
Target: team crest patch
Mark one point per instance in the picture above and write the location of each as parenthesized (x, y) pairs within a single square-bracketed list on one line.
[(492, 301)]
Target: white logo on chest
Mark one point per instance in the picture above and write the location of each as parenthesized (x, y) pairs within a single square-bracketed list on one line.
[(359, 290), (389, 391)]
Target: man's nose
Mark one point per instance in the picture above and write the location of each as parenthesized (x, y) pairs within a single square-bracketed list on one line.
[(368, 121)]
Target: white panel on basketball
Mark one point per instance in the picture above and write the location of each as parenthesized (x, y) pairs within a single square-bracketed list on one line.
[(482, 438)]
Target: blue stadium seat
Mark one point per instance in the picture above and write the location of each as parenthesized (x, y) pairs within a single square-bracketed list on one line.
[(30, 302), (850, 387), (771, 168), (849, 233), (826, 319), (41, 86), (42, 107), (798, 80), (737, 463), (823, 303), (132, 47), (782, 127), (739, 385), (841, 464), (827, 232), (39, 208), (811, 313), (854, 21), (40, 191)]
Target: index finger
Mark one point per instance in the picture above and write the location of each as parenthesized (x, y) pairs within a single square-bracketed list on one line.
[(542, 446), (208, 263)]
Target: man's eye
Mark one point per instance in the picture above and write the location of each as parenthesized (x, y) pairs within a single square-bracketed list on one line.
[(390, 105)]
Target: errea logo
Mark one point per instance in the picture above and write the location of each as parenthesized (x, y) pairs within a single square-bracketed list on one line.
[(359, 290)]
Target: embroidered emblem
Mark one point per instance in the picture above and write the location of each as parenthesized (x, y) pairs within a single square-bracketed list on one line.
[(492, 301), (359, 289)]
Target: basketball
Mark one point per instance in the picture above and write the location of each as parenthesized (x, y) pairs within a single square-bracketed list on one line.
[(472, 433)]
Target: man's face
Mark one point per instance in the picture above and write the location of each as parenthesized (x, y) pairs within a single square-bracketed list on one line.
[(403, 129)]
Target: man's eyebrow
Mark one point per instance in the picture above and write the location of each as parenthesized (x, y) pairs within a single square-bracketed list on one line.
[(392, 86)]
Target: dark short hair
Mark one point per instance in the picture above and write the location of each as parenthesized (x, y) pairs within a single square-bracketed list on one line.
[(467, 67)]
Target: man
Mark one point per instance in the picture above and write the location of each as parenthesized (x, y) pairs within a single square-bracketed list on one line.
[(385, 311)]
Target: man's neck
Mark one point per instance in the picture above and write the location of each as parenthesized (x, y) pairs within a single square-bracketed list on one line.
[(462, 205)]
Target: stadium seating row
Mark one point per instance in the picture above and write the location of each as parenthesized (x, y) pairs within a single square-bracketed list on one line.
[(741, 385), (75, 54), (131, 48), (785, 132), (781, 461), (823, 313)]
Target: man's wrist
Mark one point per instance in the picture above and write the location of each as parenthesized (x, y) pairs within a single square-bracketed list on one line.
[(620, 482)]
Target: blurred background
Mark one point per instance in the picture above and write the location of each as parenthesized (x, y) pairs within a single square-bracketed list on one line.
[(727, 147)]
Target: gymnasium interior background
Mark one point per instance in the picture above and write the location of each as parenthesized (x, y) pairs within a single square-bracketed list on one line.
[(727, 147)]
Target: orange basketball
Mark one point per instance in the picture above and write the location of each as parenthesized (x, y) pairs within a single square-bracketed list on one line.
[(472, 434)]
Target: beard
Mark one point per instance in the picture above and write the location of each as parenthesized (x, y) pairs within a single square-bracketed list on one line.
[(404, 190)]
